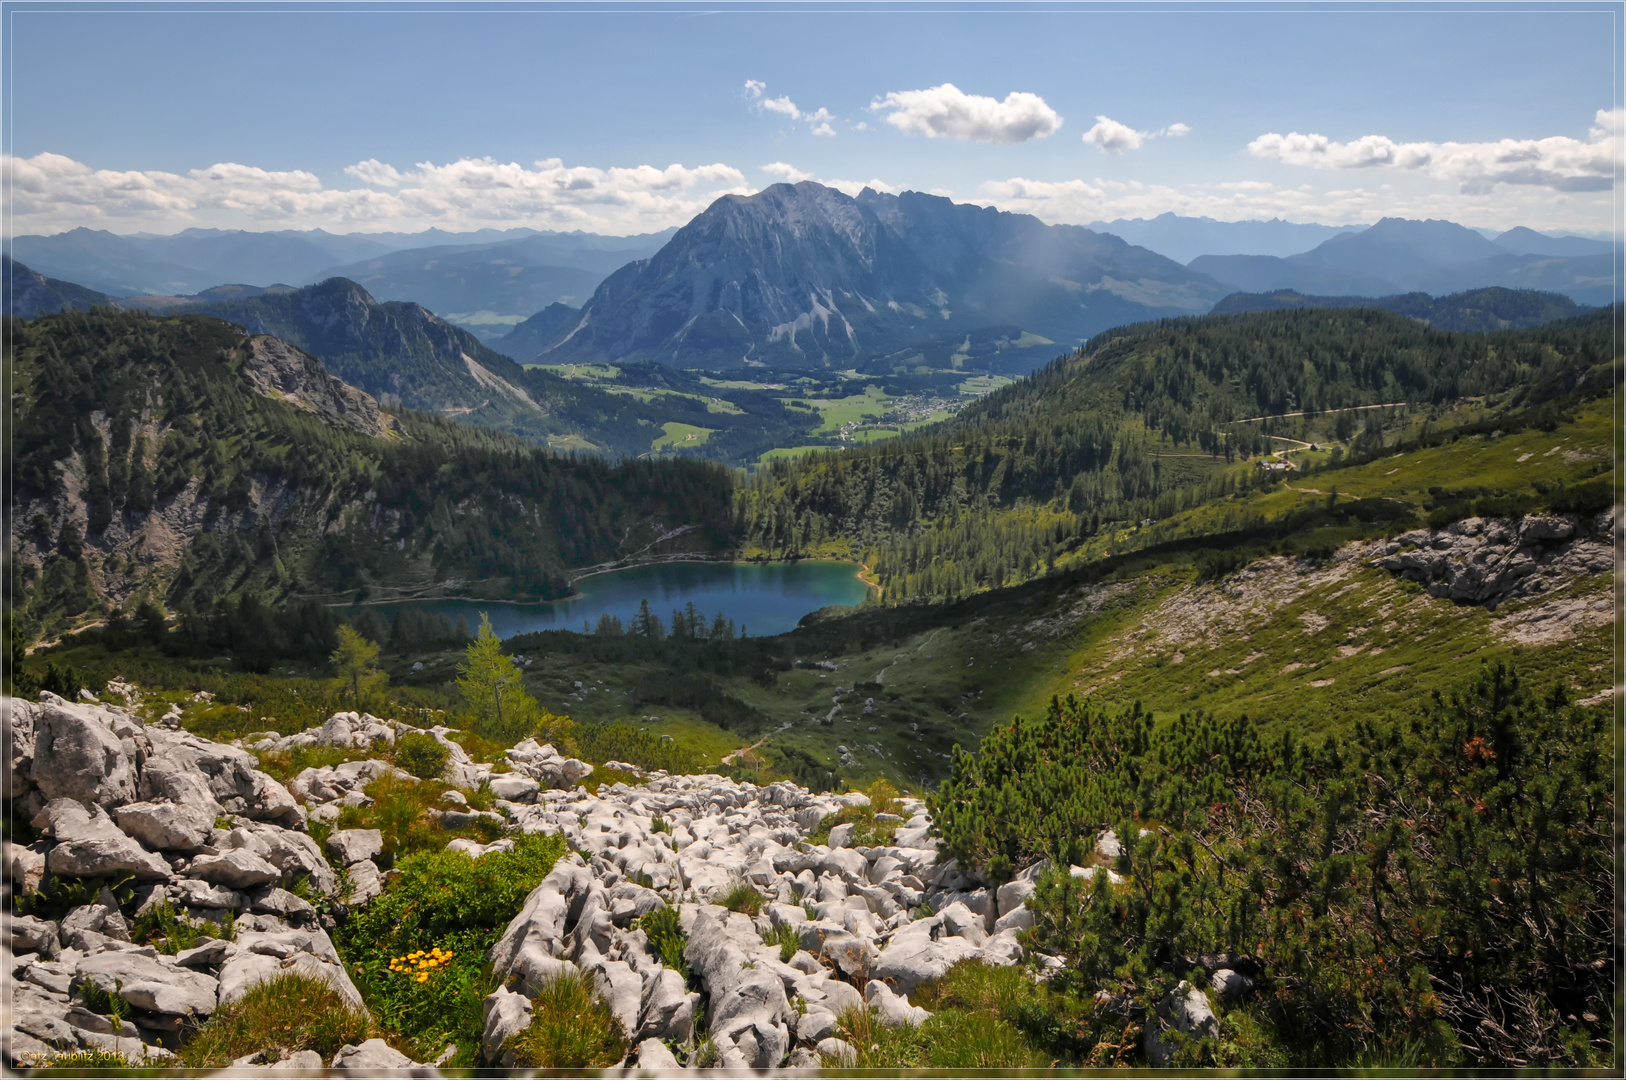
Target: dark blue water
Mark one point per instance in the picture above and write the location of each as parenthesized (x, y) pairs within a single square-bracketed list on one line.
[(762, 598)]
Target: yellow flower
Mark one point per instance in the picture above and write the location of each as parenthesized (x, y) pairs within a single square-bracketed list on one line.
[(423, 977)]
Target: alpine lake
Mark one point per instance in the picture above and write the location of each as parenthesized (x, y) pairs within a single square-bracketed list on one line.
[(762, 599)]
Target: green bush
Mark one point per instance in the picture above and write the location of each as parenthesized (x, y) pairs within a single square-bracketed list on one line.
[(421, 755), (168, 930), (441, 900), (570, 1028), (1388, 891), (667, 938), (280, 1016)]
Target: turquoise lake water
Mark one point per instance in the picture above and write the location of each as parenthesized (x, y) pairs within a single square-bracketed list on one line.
[(763, 598)]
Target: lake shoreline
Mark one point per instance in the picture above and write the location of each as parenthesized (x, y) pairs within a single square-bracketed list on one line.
[(584, 573), (772, 596)]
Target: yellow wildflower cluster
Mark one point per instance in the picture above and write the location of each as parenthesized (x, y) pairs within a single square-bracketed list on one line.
[(422, 963)]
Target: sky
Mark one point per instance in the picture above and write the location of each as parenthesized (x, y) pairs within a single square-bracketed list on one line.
[(620, 120)]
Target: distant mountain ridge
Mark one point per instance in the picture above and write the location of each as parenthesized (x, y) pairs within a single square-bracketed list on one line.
[(402, 353), (801, 275), (29, 294), (1439, 257), (1185, 238), (1477, 311)]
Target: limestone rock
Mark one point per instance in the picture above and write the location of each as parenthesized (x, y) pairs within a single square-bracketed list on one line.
[(353, 845), (891, 1009), (166, 826), (1186, 1010)]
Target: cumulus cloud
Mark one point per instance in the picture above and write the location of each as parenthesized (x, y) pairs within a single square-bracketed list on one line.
[(818, 121), (1113, 137), (1558, 162), (1175, 130), (947, 112), (784, 106), (788, 173), (50, 192), (792, 175)]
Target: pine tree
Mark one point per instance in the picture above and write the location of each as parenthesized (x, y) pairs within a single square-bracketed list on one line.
[(494, 690), (354, 660)]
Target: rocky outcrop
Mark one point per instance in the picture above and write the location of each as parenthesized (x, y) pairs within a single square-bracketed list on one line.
[(154, 803), (116, 799), (278, 370), (1491, 560)]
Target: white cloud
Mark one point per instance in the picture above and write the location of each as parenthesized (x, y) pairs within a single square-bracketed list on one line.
[(1176, 130), (1113, 137), (1558, 162), (788, 173), (818, 121), (50, 193), (792, 175), (1079, 202), (375, 173), (783, 105), (946, 111)]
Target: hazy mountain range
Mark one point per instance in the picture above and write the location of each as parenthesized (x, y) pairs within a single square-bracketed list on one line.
[(892, 271), (1397, 256)]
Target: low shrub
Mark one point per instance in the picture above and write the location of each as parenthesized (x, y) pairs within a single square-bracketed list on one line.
[(169, 931), (956, 1040), (421, 755), (398, 811), (570, 1028), (447, 908), (290, 763), (883, 799), (280, 1016), (666, 937), (641, 747)]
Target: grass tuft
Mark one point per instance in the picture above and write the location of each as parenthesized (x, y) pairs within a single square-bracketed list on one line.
[(570, 1028), (280, 1016), (742, 897)]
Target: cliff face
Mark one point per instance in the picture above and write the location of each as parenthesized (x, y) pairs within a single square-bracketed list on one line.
[(277, 370)]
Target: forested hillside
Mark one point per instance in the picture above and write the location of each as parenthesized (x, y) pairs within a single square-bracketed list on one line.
[(181, 460), (1143, 422)]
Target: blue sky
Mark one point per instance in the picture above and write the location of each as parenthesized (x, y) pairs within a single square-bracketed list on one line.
[(621, 120)]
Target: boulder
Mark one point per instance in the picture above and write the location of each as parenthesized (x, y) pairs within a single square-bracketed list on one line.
[(515, 787), (190, 892), (621, 989), (373, 1058), (1230, 985), (653, 1056), (842, 835), (1184, 1009), (506, 1015), (1013, 894), (668, 1008), (77, 755), (90, 845), (365, 882), (28, 934), (353, 845), (166, 826), (237, 868), (892, 1010), (914, 955), (815, 1025), (166, 989), (838, 1053)]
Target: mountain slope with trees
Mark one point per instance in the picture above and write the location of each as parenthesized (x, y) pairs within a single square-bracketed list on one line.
[(1143, 422), (177, 460)]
